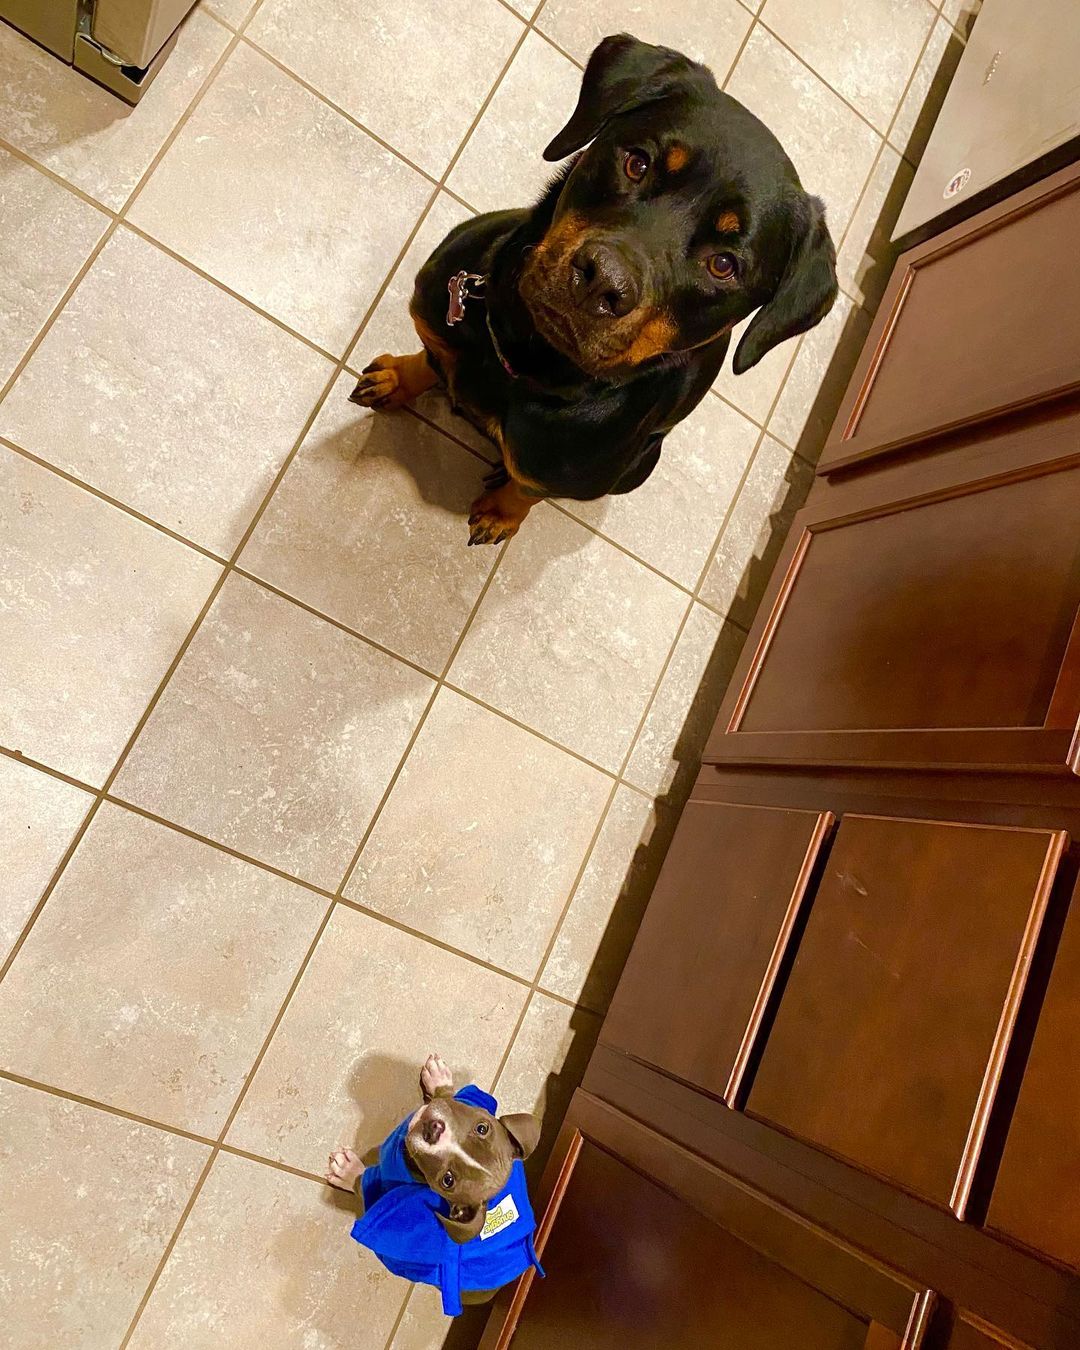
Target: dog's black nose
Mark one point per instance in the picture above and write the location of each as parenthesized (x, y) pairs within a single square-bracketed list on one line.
[(603, 281), (432, 1129)]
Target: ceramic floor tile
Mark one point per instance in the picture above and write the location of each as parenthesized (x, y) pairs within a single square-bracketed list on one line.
[(503, 165), (233, 12), (90, 1202), (916, 116), (694, 483), (344, 1062), (668, 750), (93, 606), (483, 865), (570, 637), (546, 1064), (265, 1262), (277, 734), (185, 415), (453, 55), (280, 197), (755, 390), (153, 973), (369, 526), (599, 928), (776, 486), (866, 52), (710, 34), (82, 132), (811, 395), (37, 266), (831, 147), (38, 818), (865, 261)]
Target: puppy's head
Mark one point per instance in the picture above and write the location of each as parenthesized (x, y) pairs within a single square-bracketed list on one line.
[(682, 217), (465, 1155)]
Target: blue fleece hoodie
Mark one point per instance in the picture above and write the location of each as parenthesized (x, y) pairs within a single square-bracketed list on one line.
[(400, 1227)]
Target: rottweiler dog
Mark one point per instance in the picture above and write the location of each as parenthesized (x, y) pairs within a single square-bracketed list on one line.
[(577, 333)]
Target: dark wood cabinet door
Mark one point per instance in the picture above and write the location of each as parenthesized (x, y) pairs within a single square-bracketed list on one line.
[(940, 354), (890, 1037), (654, 1249), (696, 986), (1036, 1198), (928, 619), (971, 1333)]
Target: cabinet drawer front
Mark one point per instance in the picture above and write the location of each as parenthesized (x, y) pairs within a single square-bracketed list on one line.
[(927, 632), (1035, 1196), (648, 1247), (696, 986), (890, 1036), (979, 321)]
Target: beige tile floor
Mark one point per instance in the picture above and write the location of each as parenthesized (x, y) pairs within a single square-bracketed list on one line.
[(293, 786)]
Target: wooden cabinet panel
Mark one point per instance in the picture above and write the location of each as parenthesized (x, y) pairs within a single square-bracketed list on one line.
[(654, 1249), (697, 983), (940, 354), (890, 1036), (940, 630), (1036, 1198), (630, 1267), (971, 1333)]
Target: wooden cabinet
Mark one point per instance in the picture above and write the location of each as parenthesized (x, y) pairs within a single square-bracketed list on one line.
[(696, 989), (1036, 1199), (836, 1100), (907, 982), (653, 1248)]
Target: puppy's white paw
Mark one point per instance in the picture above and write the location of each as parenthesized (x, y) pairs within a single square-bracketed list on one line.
[(435, 1074), (344, 1169)]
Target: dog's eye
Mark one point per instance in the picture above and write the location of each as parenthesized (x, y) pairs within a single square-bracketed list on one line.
[(636, 165), (447, 1180), (483, 1128), (723, 266)]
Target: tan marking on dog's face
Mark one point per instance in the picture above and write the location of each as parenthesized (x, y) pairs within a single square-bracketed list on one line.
[(728, 223), (676, 158), (655, 336)]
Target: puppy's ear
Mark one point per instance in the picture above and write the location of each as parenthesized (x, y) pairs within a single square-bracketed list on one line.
[(524, 1130), (622, 74), (465, 1221), (807, 288)]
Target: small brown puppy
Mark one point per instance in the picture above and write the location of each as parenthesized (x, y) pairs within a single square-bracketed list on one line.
[(456, 1147)]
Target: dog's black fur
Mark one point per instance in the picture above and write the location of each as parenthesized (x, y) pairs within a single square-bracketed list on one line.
[(601, 325)]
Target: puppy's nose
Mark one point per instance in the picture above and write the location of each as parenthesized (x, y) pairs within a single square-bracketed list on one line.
[(603, 281), (432, 1129)]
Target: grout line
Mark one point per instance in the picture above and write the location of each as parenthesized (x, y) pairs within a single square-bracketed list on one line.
[(263, 866), (13, 150), (216, 1147), (341, 112), (111, 501), (228, 290)]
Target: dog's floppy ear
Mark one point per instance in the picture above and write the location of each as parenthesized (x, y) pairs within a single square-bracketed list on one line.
[(806, 292), (622, 74), (465, 1221), (524, 1130)]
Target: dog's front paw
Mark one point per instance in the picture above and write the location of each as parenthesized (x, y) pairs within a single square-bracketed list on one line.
[(497, 515), (380, 386), (435, 1075)]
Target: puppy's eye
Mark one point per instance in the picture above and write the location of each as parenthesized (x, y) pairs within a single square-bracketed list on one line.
[(636, 165), (723, 266), (447, 1181), (483, 1128)]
